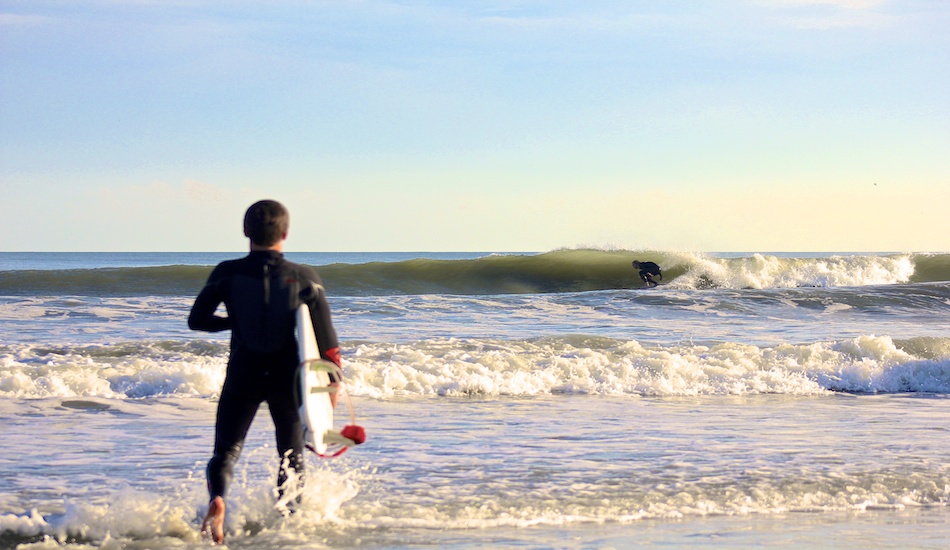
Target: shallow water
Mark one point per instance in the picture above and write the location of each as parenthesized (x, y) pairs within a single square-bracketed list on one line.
[(538, 472)]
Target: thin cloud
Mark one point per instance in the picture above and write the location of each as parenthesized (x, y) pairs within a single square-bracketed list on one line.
[(17, 20), (830, 14), (847, 4), (580, 23)]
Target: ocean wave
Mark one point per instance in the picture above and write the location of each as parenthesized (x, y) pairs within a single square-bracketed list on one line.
[(604, 366), (552, 272), (575, 365), (113, 371)]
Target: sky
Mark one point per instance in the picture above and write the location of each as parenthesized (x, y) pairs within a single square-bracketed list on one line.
[(415, 125)]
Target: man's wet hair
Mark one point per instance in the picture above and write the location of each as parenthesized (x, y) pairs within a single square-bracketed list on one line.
[(266, 222)]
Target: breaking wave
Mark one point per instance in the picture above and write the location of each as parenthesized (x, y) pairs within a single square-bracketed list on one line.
[(572, 365), (551, 272)]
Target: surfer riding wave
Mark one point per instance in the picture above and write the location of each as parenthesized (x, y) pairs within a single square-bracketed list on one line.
[(648, 270)]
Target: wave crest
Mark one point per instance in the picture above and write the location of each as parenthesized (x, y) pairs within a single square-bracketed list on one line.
[(552, 272)]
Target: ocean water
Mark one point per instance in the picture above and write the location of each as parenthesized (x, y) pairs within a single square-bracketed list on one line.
[(510, 400)]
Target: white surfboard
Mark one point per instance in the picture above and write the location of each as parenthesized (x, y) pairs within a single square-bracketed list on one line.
[(316, 410)]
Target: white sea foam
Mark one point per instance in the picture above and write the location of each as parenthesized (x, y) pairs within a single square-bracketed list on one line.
[(459, 500), (455, 367), (168, 520), (608, 367), (442, 471), (765, 271), (110, 371)]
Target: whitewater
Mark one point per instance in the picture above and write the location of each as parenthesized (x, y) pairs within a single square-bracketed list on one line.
[(510, 400)]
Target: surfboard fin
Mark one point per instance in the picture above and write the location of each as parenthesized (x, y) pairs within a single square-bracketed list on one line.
[(339, 441)]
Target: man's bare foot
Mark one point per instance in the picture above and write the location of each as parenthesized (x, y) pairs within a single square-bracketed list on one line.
[(214, 522)]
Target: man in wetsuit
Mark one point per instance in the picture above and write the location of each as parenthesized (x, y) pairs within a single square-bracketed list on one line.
[(648, 270), (261, 293)]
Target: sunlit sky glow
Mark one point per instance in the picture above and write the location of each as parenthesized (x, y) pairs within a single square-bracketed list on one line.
[(743, 125)]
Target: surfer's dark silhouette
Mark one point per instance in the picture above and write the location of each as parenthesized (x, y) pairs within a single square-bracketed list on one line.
[(648, 270), (261, 293)]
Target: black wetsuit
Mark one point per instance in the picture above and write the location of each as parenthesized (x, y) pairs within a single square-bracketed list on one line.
[(648, 270), (261, 293)]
